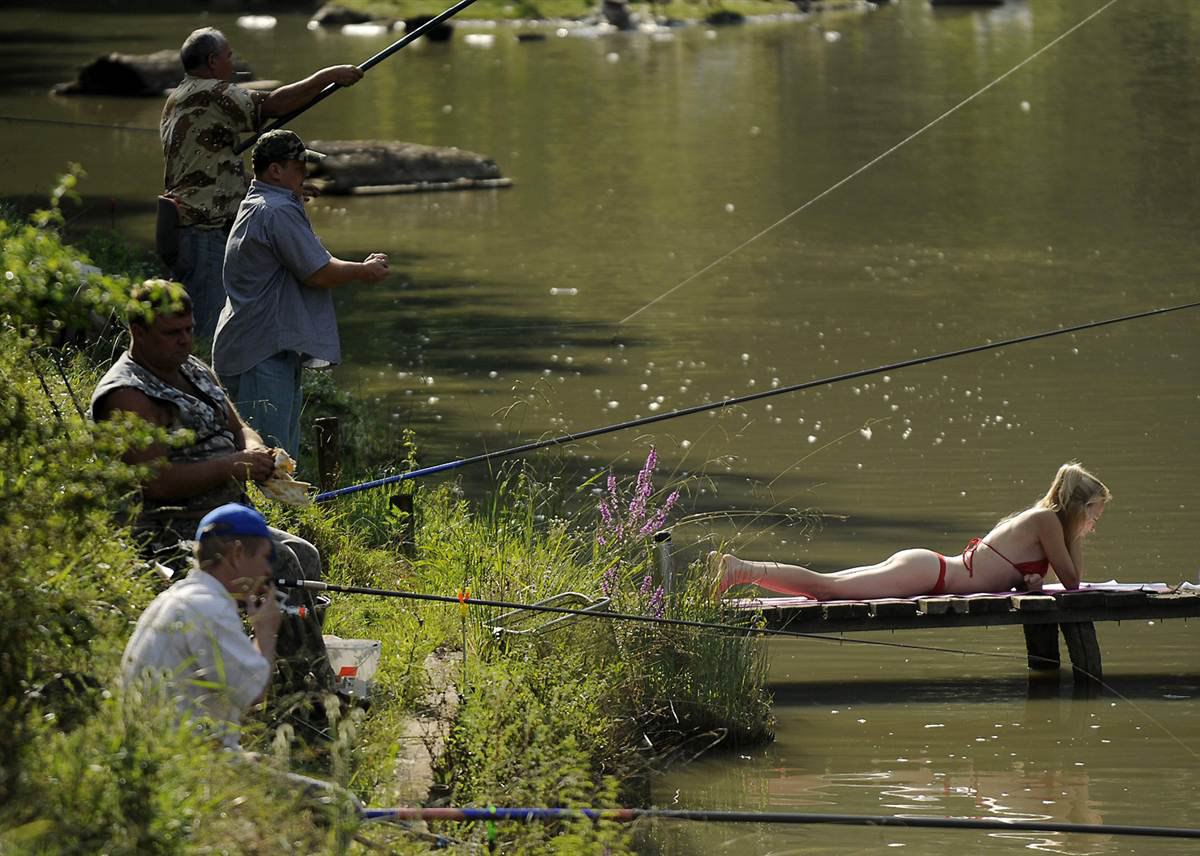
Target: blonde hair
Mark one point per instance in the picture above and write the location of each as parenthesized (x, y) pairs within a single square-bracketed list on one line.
[(1072, 490)]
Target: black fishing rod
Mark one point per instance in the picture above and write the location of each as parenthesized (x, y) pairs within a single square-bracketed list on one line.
[(564, 439), (366, 66), (464, 600), (628, 815)]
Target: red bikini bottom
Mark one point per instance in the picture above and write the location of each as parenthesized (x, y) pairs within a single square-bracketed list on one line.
[(940, 587)]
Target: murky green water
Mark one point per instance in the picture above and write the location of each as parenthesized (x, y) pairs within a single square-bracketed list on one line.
[(1066, 192)]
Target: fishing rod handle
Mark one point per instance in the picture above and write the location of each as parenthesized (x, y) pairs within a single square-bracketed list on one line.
[(314, 585)]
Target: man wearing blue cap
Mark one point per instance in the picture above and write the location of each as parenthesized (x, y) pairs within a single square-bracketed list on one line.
[(190, 639)]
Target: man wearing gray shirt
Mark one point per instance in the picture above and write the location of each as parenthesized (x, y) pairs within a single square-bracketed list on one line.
[(278, 315)]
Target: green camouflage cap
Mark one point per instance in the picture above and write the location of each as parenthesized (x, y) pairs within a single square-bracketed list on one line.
[(280, 146)]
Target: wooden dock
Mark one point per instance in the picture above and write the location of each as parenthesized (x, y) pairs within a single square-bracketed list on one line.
[(1043, 616)]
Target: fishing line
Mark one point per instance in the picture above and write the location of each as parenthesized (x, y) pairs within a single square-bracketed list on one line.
[(564, 439), (463, 600), (628, 815), (867, 165), (75, 124)]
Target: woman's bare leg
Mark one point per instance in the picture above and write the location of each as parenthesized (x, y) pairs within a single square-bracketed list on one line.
[(786, 579), (905, 574)]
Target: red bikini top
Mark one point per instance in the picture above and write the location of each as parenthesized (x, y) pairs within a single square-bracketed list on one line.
[(1036, 566)]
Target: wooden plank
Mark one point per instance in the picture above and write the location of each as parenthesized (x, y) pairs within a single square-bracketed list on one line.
[(893, 608), (807, 613), (943, 605), (1124, 599), (934, 605), (1033, 602), (1084, 649), (1170, 600), (987, 605), (846, 610), (1080, 599)]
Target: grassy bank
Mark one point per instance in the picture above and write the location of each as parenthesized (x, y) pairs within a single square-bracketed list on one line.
[(571, 718)]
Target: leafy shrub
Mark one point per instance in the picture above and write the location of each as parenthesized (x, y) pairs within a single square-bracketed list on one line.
[(48, 288)]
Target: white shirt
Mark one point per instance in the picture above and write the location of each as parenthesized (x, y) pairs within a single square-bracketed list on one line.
[(191, 638)]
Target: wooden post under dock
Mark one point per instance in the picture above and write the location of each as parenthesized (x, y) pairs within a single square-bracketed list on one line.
[(402, 507), (329, 451), (1042, 615)]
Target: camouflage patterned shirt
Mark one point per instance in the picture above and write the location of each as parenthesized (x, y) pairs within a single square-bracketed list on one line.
[(199, 128)]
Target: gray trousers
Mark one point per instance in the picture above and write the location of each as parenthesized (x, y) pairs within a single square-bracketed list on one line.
[(302, 663)]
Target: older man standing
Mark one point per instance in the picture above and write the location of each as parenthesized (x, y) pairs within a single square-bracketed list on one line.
[(279, 279), (206, 180)]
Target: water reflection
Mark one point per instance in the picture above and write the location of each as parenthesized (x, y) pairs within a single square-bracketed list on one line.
[(869, 732)]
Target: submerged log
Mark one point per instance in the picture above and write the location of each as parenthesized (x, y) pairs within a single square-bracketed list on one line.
[(377, 166), (138, 75)]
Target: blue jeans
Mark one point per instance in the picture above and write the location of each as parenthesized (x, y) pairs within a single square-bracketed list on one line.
[(268, 398), (199, 266)]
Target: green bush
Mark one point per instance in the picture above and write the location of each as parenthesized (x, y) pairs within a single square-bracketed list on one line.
[(47, 290)]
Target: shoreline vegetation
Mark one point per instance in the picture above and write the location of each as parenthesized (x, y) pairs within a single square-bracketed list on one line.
[(578, 717)]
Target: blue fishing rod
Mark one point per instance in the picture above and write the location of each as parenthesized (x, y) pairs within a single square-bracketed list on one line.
[(405, 40), (575, 437), (628, 815)]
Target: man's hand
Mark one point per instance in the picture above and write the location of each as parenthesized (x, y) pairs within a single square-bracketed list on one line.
[(342, 75), (311, 190), (375, 267), (253, 464), (264, 613)]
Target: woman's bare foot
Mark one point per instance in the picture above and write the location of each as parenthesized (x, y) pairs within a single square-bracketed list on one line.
[(724, 570)]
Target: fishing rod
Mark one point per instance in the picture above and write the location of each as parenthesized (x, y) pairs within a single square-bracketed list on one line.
[(628, 815), (366, 66), (463, 599), (564, 439)]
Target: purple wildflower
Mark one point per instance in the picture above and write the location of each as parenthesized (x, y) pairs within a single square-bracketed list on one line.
[(608, 582), (645, 486), (657, 603), (637, 510), (644, 588), (660, 517)]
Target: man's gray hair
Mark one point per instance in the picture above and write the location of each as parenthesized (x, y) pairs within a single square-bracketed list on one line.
[(200, 45)]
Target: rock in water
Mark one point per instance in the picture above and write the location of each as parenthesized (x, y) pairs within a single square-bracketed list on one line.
[(377, 166), (130, 74)]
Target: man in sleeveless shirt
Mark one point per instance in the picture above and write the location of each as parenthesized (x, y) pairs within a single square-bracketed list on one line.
[(200, 125), (159, 380)]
